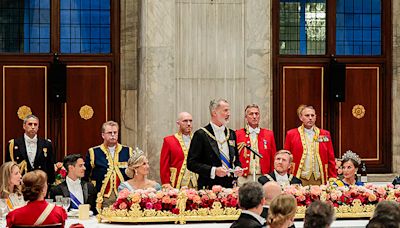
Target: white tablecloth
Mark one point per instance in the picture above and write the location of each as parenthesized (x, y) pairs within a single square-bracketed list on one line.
[(92, 223)]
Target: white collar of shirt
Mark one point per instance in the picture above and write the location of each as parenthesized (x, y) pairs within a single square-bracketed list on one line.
[(73, 182), (186, 139), (217, 129), (254, 130), (260, 219), (309, 131), (112, 150), (280, 178), (74, 187), (28, 140)]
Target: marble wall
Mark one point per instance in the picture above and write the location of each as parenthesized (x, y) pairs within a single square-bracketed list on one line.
[(190, 51)]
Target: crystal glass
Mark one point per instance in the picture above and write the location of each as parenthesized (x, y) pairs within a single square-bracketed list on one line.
[(66, 201)]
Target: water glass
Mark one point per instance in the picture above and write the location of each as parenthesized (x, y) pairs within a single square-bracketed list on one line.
[(59, 198), (66, 201)]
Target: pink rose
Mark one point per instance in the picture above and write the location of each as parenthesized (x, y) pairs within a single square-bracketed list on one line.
[(157, 206), (196, 199), (315, 190), (149, 205), (216, 188), (381, 191), (123, 205), (371, 198), (135, 198), (166, 199), (300, 198), (173, 201), (159, 195), (124, 193)]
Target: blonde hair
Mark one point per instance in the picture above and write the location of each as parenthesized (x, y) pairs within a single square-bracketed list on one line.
[(282, 208), (302, 107), (108, 123), (133, 163), (6, 171), (285, 152)]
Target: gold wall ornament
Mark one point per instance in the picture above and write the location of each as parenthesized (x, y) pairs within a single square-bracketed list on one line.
[(23, 112), (358, 111), (86, 112)]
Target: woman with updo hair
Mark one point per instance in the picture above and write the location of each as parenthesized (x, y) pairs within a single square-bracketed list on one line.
[(137, 170), (37, 211), (350, 163), (10, 185), (282, 211)]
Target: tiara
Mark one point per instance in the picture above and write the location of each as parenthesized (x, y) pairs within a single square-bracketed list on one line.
[(351, 155), (137, 153)]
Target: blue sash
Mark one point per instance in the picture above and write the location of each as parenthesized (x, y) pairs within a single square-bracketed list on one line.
[(74, 201)]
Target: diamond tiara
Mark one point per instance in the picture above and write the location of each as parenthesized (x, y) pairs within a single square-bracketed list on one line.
[(351, 155)]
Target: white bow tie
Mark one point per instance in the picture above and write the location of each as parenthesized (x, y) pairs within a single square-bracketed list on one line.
[(256, 130), (29, 140)]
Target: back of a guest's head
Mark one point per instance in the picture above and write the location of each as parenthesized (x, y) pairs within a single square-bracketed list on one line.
[(271, 190), (281, 210), (34, 184), (389, 209), (383, 221), (319, 214), (251, 195), (6, 173)]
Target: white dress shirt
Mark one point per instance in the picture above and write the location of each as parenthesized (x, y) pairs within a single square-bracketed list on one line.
[(112, 151), (283, 180), (31, 148), (75, 188), (186, 139), (219, 133)]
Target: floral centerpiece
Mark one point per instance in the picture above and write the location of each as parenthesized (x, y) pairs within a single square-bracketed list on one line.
[(61, 173), (359, 201)]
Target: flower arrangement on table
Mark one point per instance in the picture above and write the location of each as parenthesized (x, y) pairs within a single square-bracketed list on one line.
[(353, 201), (174, 205), (60, 172)]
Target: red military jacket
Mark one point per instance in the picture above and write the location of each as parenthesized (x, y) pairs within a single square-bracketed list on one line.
[(172, 159), (294, 144), (266, 147), (28, 214)]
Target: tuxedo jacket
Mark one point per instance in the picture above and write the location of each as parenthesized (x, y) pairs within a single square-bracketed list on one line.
[(204, 154), (89, 193), (44, 159), (292, 179), (246, 221)]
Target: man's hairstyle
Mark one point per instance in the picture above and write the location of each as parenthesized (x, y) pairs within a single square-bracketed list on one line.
[(108, 123), (382, 221), (319, 214), (71, 160), (251, 106), (215, 103), (250, 195), (302, 107), (285, 152), (389, 209), (30, 116)]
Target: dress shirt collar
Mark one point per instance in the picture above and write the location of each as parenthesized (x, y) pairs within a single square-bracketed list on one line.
[(29, 140), (260, 219), (217, 129), (309, 131), (73, 182), (254, 130), (279, 177)]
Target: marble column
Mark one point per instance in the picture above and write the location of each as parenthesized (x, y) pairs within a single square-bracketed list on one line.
[(396, 87)]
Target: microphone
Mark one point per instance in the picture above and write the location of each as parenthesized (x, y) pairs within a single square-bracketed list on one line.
[(253, 151)]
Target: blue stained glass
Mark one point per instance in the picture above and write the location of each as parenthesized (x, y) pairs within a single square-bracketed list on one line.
[(44, 4), (358, 6), (367, 50), (340, 6), (35, 16), (357, 48), (105, 32), (358, 35), (65, 16), (44, 16), (75, 17), (95, 17), (105, 48), (85, 4), (26, 45), (35, 31), (348, 18), (26, 16), (357, 20), (44, 31), (65, 32), (376, 49), (105, 4), (85, 46), (75, 32), (376, 20), (26, 32), (34, 3), (76, 4), (95, 47), (105, 17), (75, 47), (65, 4), (348, 7), (85, 17), (95, 4), (366, 6), (339, 34), (348, 35), (339, 20), (65, 46), (85, 32), (44, 45), (95, 32), (376, 35), (376, 6), (366, 20), (366, 35)]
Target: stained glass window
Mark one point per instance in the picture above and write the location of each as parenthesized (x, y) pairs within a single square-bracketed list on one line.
[(85, 26), (302, 27), (358, 27)]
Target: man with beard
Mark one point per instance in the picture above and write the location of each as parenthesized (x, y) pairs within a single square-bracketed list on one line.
[(213, 151), (174, 152)]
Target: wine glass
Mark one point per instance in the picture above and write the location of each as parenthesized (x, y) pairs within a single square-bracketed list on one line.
[(66, 201)]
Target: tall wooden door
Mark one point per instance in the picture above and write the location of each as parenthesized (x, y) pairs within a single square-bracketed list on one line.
[(355, 124)]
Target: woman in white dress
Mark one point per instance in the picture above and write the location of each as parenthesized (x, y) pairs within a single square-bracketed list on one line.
[(10, 185), (138, 169)]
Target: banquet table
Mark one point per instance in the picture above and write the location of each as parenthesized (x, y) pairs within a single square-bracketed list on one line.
[(92, 223)]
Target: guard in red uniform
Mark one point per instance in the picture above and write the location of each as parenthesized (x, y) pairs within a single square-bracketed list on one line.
[(173, 158), (260, 140), (312, 150)]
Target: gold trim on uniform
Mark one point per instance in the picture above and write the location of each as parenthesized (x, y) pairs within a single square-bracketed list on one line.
[(185, 176), (23, 166)]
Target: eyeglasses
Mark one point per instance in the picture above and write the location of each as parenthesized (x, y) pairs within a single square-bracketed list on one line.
[(111, 133)]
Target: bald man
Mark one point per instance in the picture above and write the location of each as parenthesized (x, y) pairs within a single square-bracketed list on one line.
[(271, 190), (173, 158)]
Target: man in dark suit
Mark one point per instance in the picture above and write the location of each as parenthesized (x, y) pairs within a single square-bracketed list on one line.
[(31, 152), (213, 152), (80, 191), (251, 200), (282, 161)]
